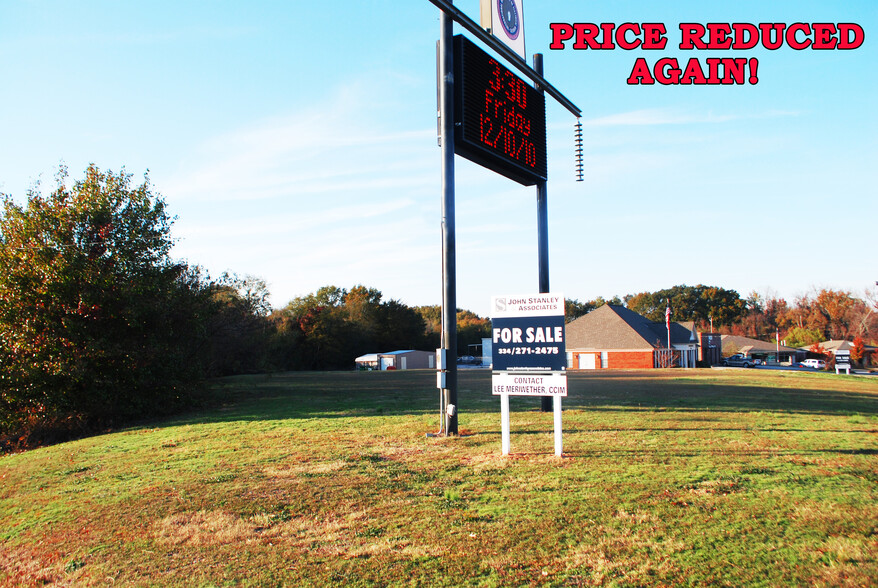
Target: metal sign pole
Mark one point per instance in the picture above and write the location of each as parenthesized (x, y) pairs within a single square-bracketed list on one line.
[(559, 443), (449, 279), (446, 6), (542, 231), (504, 424)]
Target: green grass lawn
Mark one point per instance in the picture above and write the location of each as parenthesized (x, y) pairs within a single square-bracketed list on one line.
[(671, 477)]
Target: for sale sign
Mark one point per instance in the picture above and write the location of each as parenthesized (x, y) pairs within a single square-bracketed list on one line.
[(527, 333), (529, 354)]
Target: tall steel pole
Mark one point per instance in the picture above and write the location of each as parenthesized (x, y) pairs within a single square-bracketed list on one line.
[(542, 231), (449, 270)]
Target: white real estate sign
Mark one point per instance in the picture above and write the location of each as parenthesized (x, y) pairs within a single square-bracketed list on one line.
[(843, 361), (528, 353)]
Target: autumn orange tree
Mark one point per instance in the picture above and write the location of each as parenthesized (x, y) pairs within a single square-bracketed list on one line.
[(858, 350)]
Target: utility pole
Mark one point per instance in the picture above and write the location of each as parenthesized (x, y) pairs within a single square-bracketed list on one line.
[(542, 231), (449, 267)]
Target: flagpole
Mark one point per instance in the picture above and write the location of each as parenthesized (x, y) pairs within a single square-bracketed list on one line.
[(668, 325), (777, 338)]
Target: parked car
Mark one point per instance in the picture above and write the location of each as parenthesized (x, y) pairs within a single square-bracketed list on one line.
[(740, 360), (817, 364)]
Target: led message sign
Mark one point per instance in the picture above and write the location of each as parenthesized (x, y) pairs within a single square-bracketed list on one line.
[(499, 120)]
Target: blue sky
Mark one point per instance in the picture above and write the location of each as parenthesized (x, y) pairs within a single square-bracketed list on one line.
[(296, 141)]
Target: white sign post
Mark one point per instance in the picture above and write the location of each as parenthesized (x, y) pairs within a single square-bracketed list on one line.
[(843, 361), (529, 355)]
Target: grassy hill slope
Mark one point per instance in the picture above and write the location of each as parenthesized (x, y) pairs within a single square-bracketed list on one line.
[(707, 477)]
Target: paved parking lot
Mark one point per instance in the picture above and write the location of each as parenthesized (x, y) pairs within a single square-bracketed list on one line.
[(854, 372)]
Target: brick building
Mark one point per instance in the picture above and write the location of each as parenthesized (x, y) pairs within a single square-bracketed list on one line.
[(767, 351), (613, 337)]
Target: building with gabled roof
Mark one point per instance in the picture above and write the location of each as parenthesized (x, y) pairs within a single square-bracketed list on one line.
[(405, 359), (614, 337), (840, 345), (767, 351), (834, 345)]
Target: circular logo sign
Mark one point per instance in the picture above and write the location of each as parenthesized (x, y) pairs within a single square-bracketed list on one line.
[(509, 18)]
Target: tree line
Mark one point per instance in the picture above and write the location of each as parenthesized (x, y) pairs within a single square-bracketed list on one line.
[(329, 328), (99, 324), (821, 315)]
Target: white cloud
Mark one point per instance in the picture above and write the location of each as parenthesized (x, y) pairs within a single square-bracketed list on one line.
[(333, 148), (338, 193)]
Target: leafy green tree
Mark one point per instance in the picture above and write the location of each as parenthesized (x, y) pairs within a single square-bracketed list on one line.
[(401, 327), (432, 317), (325, 334), (239, 331), (471, 329), (802, 337), (573, 308), (690, 303), (96, 321), (286, 342), (361, 310), (334, 325), (730, 349)]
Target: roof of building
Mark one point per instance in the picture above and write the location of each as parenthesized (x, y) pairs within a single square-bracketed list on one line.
[(374, 356), (746, 345), (616, 327), (838, 345)]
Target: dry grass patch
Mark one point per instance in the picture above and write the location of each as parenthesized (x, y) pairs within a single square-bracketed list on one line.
[(487, 462), (849, 562), (33, 566), (618, 556), (223, 528), (306, 469), (348, 536), (716, 488), (205, 528)]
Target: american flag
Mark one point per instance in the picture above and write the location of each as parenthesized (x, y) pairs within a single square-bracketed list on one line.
[(668, 321)]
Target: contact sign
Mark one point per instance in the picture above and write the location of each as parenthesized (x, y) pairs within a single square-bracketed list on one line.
[(529, 384)]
